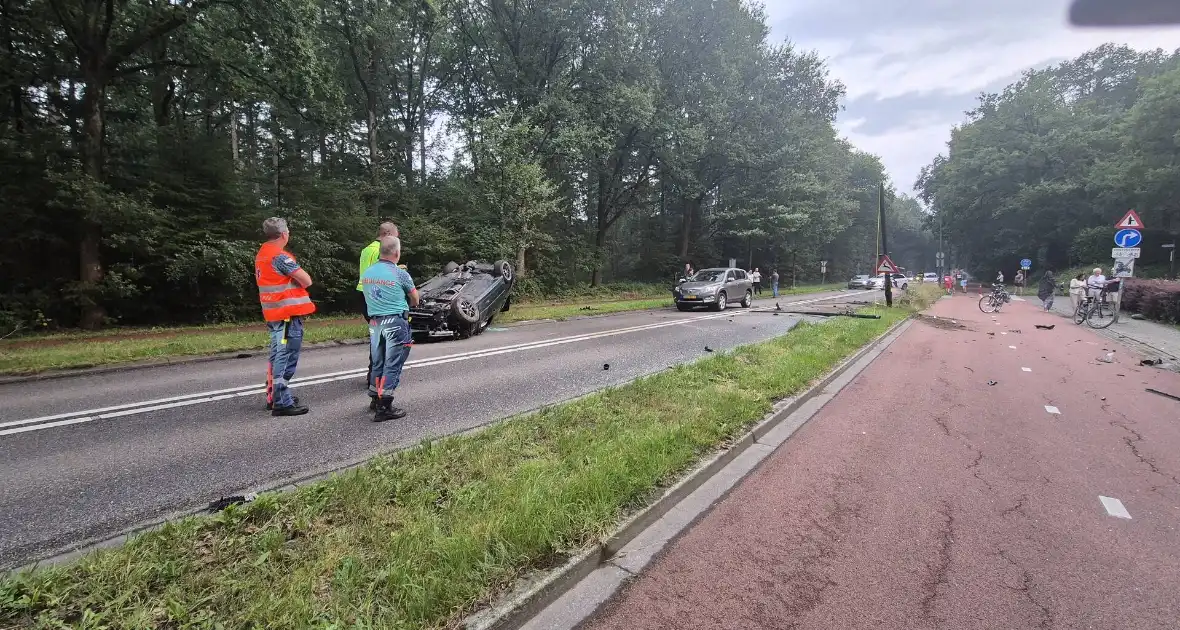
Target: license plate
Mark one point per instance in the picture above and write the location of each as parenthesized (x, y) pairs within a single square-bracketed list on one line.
[(690, 297)]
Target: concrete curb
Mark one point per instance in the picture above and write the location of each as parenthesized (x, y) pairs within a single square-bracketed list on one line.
[(534, 596)]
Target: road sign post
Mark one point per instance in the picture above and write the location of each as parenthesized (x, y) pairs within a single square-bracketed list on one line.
[(1128, 239), (823, 272), (1171, 259)]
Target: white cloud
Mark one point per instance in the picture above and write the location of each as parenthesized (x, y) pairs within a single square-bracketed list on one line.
[(934, 49)]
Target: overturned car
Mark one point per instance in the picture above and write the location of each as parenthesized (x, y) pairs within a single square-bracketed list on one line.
[(462, 300)]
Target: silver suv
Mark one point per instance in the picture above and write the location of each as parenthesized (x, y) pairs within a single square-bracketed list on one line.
[(716, 287)]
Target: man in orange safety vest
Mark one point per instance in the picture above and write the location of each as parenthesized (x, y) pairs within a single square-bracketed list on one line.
[(282, 290)]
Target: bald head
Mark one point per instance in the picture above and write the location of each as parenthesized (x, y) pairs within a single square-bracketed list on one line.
[(391, 248), (387, 228)]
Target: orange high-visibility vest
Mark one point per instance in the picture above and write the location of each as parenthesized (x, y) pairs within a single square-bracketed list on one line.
[(281, 298)]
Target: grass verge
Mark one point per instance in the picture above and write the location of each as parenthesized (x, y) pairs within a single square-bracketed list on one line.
[(81, 350), (422, 537)]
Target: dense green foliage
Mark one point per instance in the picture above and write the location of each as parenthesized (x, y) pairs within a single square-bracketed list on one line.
[(589, 141), (1045, 168)]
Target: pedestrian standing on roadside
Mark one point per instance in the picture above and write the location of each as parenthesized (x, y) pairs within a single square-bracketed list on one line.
[(1077, 290), (756, 277), (1046, 289), (369, 255), (1019, 281), (963, 281), (1000, 277), (774, 281), (1095, 283), (389, 296), (282, 290), (947, 281)]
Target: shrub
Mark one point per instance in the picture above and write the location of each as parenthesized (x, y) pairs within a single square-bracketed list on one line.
[(1154, 299)]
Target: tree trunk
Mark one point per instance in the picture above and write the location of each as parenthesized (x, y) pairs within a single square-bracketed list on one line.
[(520, 250), (162, 88), (602, 216), (274, 162), (374, 158), (325, 166), (233, 137), (422, 144), (90, 269)]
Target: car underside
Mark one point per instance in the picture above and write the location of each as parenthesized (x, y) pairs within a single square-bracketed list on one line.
[(462, 300)]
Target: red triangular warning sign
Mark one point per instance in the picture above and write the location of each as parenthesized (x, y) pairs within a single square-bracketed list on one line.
[(1130, 220), (886, 265)]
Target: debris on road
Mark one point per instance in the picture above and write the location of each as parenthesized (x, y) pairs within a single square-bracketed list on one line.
[(1109, 358), (991, 382), (605, 366), (1164, 394), (777, 307), (992, 334), (708, 349), (1044, 327), (1014, 330), (224, 502), (968, 368), (1138, 316), (1151, 362)]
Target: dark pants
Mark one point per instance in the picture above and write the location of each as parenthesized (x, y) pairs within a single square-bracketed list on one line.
[(758, 288)]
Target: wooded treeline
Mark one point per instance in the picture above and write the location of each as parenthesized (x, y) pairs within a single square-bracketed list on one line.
[(1046, 167), (589, 141)]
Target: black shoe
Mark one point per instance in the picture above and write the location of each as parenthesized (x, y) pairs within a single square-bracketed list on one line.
[(373, 403), (271, 406), (293, 410), (389, 413)]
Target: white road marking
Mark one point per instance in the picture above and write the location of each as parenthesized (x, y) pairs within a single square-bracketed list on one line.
[(1013, 347), (1114, 507), (1052, 409), (1026, 369), (128, 409), (1003, 332)]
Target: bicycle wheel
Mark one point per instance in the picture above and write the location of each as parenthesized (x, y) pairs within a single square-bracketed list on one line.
[(1079, 314), (1101, 315), (987, 304)]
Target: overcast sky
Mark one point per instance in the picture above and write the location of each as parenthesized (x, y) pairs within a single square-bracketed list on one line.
[(912, 67)]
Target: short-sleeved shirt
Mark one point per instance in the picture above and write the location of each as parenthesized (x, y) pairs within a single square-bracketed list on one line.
[(284, 264), (369, 255), (386, 286)]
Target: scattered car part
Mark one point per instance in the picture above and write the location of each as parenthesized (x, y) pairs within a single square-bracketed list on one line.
[(1164, 394)]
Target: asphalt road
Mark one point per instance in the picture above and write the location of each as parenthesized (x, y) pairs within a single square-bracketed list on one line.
[(922, 496), (84, 458)]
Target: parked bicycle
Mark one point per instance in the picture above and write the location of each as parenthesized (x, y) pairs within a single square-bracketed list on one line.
[(1098, 312), (995, 300)]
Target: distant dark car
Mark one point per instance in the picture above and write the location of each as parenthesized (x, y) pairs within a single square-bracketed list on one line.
[(859, 282), (462, 300), (716, 288)]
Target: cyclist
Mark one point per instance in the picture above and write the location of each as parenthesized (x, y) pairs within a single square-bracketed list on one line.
[(1095, 283)]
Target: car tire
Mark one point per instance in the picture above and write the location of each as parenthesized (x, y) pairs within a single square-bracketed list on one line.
[(451, 267), (721, 302), (748, 300), (465, 311), (905, 287), (503, 269)]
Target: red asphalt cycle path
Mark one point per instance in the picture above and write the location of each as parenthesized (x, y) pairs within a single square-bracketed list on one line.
[(922, 497)]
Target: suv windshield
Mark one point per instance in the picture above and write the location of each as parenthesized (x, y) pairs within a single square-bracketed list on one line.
[(708, 275)]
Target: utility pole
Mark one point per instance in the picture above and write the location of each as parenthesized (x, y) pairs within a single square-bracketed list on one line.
[(884, 242)]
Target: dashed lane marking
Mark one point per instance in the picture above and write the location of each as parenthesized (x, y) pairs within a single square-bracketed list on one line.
[(1053, 410), (1026, 369)]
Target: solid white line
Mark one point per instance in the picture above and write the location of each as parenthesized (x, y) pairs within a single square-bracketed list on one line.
[(1114, 507), (1052, 409), (127, 409)]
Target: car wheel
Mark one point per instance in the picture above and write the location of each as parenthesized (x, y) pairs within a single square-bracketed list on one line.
[(905, 287), (503, 269), (451, 267), (465, 310), (721, 303), (748, 300)]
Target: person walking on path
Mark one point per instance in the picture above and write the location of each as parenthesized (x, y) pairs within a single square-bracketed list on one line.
[(774, 281), (1045, 290), (389, 295), (369, 255), (756, 277), (947, 283), (963, 281), (282, 290), (1077, 290)]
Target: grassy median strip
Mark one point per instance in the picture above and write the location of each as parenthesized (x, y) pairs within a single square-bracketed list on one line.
[(63, 351), (422, 537)]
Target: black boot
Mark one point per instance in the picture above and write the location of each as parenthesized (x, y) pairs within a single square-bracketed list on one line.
[(293, 410), (386, 410), (270, 406)]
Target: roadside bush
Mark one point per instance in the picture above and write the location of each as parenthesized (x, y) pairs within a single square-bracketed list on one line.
[(920, 296), (1154, 299)]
